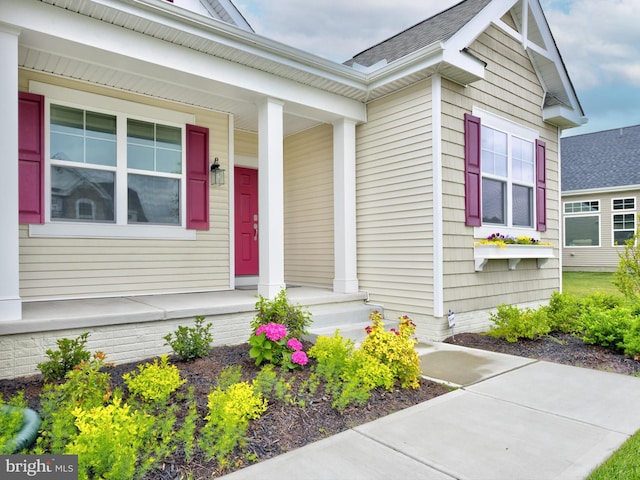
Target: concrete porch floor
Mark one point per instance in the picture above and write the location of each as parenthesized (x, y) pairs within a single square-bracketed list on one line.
[(65, 314)]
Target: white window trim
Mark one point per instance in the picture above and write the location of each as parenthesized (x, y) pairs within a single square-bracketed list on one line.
[(582, 201), (596, 213), (119, 107), (623, 211), (635, 204), (502, 124)]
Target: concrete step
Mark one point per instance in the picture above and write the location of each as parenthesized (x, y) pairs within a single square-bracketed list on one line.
[(351, 319), (332, 314)]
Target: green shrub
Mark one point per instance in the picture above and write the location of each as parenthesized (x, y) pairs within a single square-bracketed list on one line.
[(228, 419), (154, 382), (395, 349), (512, 323), (627, 276), (11, 421), (187, 433), (189, 343), (271, 385), (229, 375), (332, 355), (362, 373), (631, 338), (563, 313), (349, 374), (606, 327), (70, 353), (84, 386), (296, 318), (603, 301)]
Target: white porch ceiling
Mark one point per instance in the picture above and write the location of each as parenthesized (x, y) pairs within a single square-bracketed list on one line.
[(245, 113)]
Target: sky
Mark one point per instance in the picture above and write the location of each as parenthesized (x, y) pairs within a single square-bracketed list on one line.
[(599, 41)]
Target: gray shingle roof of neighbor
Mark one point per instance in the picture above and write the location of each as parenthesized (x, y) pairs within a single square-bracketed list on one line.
[(438, 28), (610, 158)]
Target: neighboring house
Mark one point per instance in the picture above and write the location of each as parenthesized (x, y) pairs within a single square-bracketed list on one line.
[(376, 176), (600, 194)]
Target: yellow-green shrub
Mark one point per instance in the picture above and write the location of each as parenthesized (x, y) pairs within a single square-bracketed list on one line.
[(154, 382), (230, 410), (109, 441), (395, 349)]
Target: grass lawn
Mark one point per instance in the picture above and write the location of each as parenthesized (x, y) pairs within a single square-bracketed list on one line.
[(625, 462), (622, 465), (582, 284)]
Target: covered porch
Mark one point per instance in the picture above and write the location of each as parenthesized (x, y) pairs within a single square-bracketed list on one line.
[(226, 74)]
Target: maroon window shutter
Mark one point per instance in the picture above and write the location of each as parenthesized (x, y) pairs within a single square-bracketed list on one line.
[(197, 177), (31, 157), (472, 172), (541, 186)]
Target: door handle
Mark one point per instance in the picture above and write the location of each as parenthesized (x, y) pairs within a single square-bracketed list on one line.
[(255, 231)]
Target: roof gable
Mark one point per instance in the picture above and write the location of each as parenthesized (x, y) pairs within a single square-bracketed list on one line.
[(601, 160), (458, 27)]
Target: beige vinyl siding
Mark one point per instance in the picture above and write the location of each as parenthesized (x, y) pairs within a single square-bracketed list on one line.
[(93, 267), (308, 207), (394, 201), (245, 144), (510, 90), (604, 258)]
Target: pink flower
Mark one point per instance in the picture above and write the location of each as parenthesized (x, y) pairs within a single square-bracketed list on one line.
[(368, 329), (294, 344), (273, 331), (300, 358)]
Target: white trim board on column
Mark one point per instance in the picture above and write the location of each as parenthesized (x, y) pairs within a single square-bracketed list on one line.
[(10, 302), (271, 197), (344, 206)]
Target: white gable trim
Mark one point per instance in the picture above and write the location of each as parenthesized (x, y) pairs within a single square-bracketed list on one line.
[(546, 61), (438, 240)]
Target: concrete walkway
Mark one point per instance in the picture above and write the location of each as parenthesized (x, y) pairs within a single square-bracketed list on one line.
[(511, 419)]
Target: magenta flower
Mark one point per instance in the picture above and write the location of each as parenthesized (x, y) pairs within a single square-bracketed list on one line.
[(300, 358), (294, 344), (273, 331)]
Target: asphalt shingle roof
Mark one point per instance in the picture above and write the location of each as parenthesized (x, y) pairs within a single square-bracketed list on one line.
[(603, 159), (438, 28)]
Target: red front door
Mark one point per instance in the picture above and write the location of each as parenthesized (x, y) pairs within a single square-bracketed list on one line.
[(246, 223)]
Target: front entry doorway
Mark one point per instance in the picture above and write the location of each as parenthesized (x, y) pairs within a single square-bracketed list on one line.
[(246, 221)]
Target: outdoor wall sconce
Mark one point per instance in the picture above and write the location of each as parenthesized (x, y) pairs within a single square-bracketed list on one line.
[(217, 173)]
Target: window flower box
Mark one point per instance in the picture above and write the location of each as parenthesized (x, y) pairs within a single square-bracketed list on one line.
[(513, 253)]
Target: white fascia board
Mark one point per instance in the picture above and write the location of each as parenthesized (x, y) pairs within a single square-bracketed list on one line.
[(422, 59), (430, 56), (477, 25), (239, 39), (74, 35)]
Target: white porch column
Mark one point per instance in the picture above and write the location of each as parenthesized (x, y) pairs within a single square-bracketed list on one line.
[(344, 210), (10, 303), (271, 197)]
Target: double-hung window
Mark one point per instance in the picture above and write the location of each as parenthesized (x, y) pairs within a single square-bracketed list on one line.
[(582, 224), (624, 220), (505, 184), (508, 171), (115, 168)]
